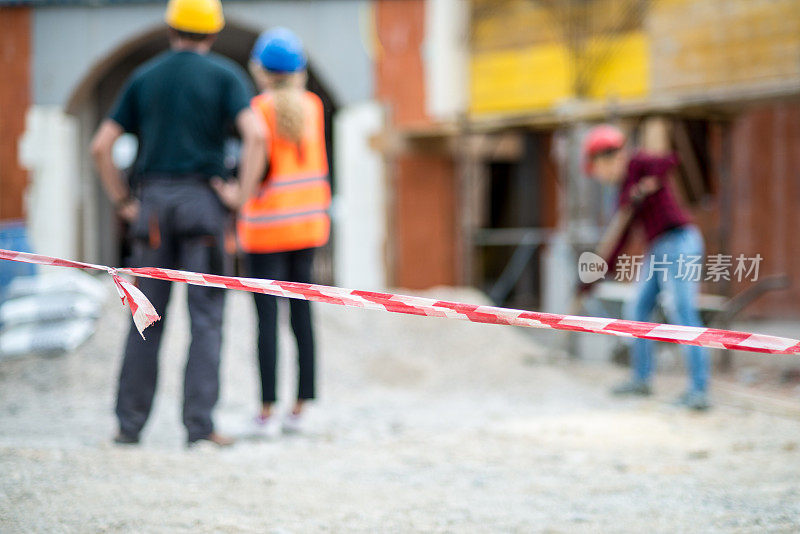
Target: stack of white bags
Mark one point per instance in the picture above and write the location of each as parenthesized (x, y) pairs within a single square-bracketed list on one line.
[(50, 313)]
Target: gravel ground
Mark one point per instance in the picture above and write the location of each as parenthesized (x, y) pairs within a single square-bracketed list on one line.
[(423, 425)]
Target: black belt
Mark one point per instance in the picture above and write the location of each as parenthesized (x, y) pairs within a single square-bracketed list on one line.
[(174, 177)]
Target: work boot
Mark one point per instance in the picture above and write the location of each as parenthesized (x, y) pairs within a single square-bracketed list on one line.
[(124, 439), (214, 439), (633, 388), (694, 400)]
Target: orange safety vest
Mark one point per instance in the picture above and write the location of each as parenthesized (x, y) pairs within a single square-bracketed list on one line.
[(290, 211)]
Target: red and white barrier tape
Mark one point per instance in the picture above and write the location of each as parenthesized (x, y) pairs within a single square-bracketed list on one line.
[(144, 314)]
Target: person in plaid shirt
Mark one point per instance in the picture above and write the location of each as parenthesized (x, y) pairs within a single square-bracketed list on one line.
[(646, 200)]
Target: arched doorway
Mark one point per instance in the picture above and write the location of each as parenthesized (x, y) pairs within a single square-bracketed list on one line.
[(101, 233)]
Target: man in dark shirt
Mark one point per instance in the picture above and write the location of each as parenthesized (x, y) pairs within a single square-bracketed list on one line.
[(180, 106), (674, 243)]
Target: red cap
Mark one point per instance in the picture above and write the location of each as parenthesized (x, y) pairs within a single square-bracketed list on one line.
[(601, 139)]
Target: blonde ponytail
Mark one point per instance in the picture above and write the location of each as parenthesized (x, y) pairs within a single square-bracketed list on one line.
[(290, 112)]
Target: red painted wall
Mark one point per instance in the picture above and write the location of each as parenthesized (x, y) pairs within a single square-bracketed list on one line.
[(15, 97)]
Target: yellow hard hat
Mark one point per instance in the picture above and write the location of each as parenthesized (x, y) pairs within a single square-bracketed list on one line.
[(195, 16)]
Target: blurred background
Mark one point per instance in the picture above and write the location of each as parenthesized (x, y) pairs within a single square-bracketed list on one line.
[(454, 131)]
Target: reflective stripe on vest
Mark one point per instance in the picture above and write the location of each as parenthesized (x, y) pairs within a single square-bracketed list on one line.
[(299, 181), (291, 209), (282, 216)]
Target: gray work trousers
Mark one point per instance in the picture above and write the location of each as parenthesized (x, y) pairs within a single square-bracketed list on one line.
[(180, 226)]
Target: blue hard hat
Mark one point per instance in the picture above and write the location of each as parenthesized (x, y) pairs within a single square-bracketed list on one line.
[(258, 46), (279, 50)]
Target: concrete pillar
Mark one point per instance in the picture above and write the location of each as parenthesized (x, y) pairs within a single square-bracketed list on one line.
[(359, 208), (49, 150)]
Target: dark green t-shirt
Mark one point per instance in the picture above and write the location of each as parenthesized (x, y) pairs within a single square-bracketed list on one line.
[(180, 105)]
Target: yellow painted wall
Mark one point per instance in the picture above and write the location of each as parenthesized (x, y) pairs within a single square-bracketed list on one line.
[(511, 80), (525, 56), (713, 45), (622, 69), (540, 76)]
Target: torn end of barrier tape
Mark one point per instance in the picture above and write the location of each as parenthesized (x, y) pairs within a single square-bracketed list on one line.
[(144, 313)]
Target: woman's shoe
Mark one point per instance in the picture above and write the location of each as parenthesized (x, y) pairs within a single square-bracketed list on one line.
[(294, 423), (266, 427)]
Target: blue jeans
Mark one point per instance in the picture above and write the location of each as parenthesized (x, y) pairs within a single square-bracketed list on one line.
[(680, 292)]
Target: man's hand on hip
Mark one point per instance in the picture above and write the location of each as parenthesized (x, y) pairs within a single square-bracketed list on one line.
[(129, 210), (230, 193)]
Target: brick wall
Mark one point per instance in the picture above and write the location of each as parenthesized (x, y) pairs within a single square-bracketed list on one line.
[(423, 230), (15, 97), (766, 199)]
